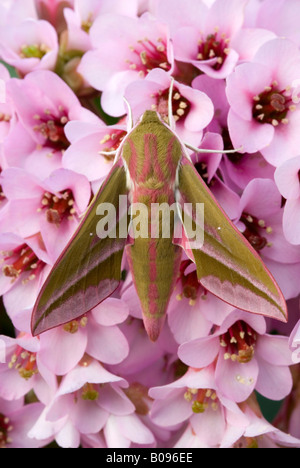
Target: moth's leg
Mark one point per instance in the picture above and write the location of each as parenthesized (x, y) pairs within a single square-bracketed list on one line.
[(203, 150), (129, 116), (171, 120)]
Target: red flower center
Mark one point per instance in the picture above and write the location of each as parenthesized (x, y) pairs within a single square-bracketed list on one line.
[(180, 105), (272, 105), (189, 284), (58, 207), (112, 142), (5, 428), (21, 260), (52, 129), (239, 342), (148, 55), (214, 46), (254, 227), (24, 362)]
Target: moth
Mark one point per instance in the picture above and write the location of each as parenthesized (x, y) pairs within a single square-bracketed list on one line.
[(152, 167)]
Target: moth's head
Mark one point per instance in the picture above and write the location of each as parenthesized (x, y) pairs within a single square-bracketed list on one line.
[(150, 117)]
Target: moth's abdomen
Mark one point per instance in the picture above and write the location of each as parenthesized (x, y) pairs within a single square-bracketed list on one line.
[(153, 258), (154, 264)]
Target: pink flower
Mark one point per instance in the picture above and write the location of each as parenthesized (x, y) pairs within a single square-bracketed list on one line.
[(192, 109), (123, 431), (81, 18), (20, 258), (192, 310), (283, 20), (126, 49), (238, 170), (7, 114), (29, 45), (16, 419), (51, 206), (246, 358), (19, 10), (260, 220), (261, 434), (264, 114), (213, 419), (44, 104), (215, 89), (90, 139), (287, 180), (24, 267), (52, 11), (294, 342), (86, 397), (202, 36), (22, 370), (96, 334)]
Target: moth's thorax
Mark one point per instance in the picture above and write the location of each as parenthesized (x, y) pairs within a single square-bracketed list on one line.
[(152, 153)]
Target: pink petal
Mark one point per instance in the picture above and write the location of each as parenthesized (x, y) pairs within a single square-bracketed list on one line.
[(199, 353), (283, 19), (273, 382), (285, 275), (111, 312), (287, 179), (274, 349), (21, 216), (113, 400), (186, 43), (202, 109), (185, 321), (88, 417), (249, 134), (282, 57), (210, 426), (42, 162), (235, 380), (113, 436), (23, 420), (77, 377), (285, 141), (107, 344), (132, 427), (192, 12), (95, 165), (227, 67), (228, 15), (13, 386), (261, 198), (68, 436), (247, 81), (247, 41), (175, 409), (112, 97), (17, 183), (291, 227), (77, 129), (63, 179), (61, 351)]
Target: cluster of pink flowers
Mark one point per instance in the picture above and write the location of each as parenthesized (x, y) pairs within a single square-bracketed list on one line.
[(99, 381)]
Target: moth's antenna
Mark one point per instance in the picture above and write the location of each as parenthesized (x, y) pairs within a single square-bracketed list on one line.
[(129, 117), (171, 120), (203, 150)]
